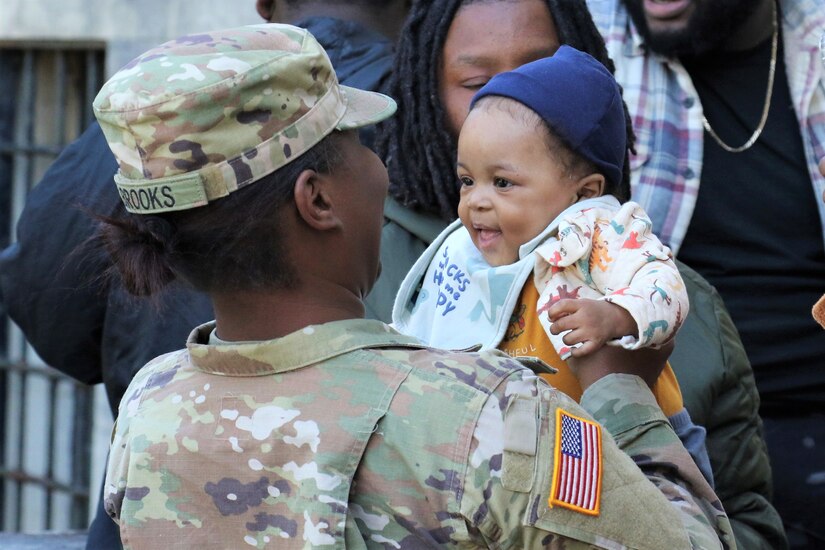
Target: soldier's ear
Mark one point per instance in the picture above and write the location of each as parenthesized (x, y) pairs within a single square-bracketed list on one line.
[(313, 201)]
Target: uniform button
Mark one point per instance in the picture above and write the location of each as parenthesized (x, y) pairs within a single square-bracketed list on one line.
[(688, 102), (688, 173)]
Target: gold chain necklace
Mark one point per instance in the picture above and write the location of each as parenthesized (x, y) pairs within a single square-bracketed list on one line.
[(765, 110)]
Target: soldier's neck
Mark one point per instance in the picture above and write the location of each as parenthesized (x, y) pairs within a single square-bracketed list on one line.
[(254, 316)]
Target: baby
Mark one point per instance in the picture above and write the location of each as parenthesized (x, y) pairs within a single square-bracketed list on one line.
[(543, 191)]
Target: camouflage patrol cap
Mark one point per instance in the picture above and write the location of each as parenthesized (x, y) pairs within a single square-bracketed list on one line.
[(199, 117)]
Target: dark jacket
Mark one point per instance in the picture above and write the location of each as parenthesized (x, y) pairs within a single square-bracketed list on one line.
[(720, 393), (362, 58), (710, 363), (54, 288)]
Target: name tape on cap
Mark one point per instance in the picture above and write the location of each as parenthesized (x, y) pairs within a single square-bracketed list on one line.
[(165, 195)]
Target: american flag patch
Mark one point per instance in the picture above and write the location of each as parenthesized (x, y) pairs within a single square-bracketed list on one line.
[(577, 468)]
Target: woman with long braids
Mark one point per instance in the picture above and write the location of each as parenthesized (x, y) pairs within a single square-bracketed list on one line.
[(447, 51)]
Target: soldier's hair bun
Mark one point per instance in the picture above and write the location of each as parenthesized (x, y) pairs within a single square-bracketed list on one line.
[(140, 248)]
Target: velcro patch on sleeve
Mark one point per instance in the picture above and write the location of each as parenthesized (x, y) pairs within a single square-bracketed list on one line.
[(577, 464)]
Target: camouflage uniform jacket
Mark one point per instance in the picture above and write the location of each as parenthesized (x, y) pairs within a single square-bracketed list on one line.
[(350, 434)]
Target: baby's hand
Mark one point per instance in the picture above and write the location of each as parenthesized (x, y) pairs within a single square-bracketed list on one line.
[(591, 322)]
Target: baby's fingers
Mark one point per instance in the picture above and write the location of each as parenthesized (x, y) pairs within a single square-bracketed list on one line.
[(586, 348), (562, 308), (575, 336), (568, 322)]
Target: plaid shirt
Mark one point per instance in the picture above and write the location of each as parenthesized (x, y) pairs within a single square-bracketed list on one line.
[(667, 114)]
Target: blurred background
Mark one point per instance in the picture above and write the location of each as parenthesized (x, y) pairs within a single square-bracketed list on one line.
[(54, 56)]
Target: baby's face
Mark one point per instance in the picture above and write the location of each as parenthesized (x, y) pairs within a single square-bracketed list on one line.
[(512, 187)]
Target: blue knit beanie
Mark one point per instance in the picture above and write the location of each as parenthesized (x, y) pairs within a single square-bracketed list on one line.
[(580, 101)]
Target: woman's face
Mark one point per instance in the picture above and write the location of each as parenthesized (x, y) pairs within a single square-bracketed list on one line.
[(488, 38)]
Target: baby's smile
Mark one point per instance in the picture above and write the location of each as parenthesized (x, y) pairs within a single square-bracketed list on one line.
[(485, 236)]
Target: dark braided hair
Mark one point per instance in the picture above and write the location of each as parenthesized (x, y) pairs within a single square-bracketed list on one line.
[(416, 143)]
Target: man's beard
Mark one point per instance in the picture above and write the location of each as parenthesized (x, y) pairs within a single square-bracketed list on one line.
[(712, 22)]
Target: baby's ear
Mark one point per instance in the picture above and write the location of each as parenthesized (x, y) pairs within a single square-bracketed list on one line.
[(590, 186)]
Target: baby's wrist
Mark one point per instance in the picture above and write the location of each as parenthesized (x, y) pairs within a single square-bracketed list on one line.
[(622, 321)]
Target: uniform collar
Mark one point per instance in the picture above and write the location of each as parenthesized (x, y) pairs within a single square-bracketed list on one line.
[(304, 347)]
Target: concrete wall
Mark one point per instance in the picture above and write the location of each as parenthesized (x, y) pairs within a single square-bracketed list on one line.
[(127, 27)]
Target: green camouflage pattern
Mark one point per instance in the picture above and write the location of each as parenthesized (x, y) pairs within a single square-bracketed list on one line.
[(198, 117), (350, 433)]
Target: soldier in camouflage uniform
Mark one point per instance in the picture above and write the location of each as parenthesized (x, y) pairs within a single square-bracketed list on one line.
[(290, 422)]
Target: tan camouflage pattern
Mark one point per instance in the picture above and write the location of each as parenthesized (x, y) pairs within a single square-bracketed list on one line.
[(350, 433), (198, 117)]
